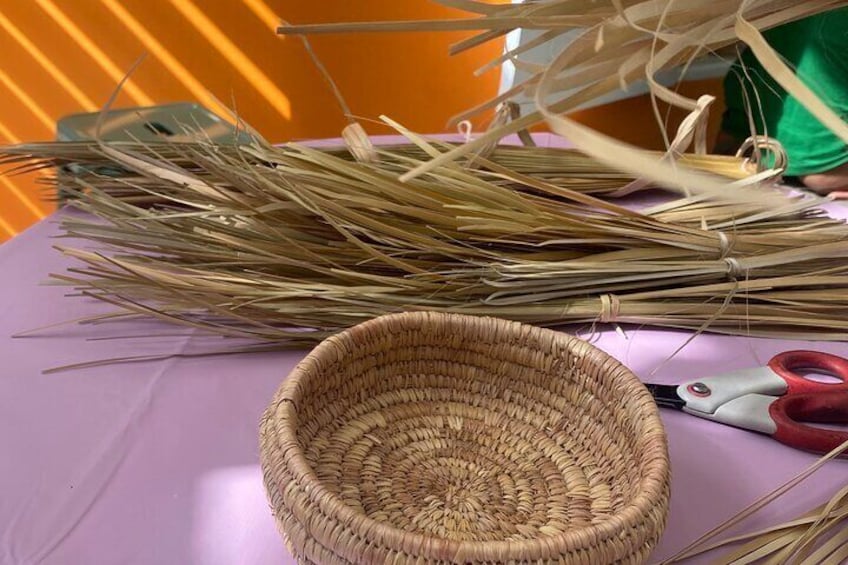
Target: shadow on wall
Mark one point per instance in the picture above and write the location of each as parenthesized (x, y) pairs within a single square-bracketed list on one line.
[(66, 57)]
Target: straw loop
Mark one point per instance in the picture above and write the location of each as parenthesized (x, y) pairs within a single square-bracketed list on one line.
[(756, 145), (465, 129), (610, 308), (734, 268)]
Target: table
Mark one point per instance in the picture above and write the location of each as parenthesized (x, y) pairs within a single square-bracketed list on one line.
[(156, 462)]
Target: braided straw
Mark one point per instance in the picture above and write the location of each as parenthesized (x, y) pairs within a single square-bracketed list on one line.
[(441, 438)]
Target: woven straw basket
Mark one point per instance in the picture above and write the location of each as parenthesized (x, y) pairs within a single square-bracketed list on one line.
[(437, 438)]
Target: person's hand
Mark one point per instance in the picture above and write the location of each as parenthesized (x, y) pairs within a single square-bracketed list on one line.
[(832, 183)]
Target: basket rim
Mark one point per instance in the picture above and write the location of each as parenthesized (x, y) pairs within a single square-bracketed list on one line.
[(653, 448)]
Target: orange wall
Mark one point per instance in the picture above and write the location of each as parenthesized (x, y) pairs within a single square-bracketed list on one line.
[(66, 56)]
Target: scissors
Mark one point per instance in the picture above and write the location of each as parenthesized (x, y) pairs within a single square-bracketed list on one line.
[(773, 400)]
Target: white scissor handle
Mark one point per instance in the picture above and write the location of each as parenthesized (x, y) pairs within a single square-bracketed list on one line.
[(705, 396)]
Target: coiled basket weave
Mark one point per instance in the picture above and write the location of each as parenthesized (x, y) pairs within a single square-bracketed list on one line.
[(437, 438)]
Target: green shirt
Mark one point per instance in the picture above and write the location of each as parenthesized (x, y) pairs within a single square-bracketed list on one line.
[(817, 48)]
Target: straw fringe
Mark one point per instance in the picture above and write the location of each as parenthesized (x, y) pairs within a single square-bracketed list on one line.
[(290, 244)]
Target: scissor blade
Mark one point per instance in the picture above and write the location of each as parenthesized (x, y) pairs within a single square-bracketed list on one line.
[(666, 396)]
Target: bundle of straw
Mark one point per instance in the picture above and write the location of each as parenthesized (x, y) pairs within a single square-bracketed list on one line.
[(571, 168), (622, 42), (567, 168), (291, 244)]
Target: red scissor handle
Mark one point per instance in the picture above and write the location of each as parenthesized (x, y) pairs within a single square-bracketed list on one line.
[(788, 363), (825, 407)]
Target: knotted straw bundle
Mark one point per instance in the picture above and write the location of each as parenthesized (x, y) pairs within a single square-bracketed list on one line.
[(440, 438), (288, 245)]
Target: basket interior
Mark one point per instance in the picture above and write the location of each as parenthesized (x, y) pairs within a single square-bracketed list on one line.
[(456, 432)]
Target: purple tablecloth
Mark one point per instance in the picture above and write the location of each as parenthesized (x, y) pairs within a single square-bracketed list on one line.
[(156, 462)]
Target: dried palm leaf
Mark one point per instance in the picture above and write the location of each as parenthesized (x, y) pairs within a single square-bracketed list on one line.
[(622, 42), (294, 243), (566, 168)]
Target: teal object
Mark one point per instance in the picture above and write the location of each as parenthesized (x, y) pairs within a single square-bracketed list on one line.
[(166, 122), (177, 122)]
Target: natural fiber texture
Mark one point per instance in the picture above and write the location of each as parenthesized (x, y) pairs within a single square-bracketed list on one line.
[(621, 42), (437, 438), (567, 168), (570, 168), (291, 244)]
